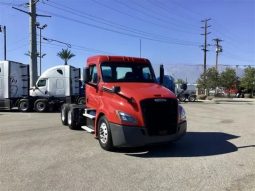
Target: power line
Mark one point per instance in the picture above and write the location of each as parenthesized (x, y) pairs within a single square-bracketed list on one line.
[(122, 32), (109, 23), (168, 23), (79, 47), (163, 26), (163, 7)]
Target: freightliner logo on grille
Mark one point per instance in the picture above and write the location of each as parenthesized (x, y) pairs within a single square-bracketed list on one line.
[(160, 100)]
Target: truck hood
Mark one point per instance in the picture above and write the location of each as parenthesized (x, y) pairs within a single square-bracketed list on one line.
[(140, 91)]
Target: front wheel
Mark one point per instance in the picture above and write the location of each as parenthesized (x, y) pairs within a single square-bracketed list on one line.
[(105, 137)]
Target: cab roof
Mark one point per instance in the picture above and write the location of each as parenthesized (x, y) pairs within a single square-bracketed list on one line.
[(104, 58)]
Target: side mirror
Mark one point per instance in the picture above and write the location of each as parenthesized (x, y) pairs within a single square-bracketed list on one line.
[(86, 76), (161, 74), (184, 87)]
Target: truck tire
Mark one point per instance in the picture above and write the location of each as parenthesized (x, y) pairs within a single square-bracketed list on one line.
[(41, 105), (72, 115), (192, 98), (81, 100), (182, 98), (104, 134), (64, 111), (24, 105)]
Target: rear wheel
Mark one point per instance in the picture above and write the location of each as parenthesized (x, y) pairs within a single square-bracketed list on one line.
[(81, 101), (182, 98), (41, 105), (64, 111), (72, 116), (105, 137), (24, 105), (192, 98)]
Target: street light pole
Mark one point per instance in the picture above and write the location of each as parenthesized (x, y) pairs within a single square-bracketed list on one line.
[(3, 28), (40, 56), (53, 40)]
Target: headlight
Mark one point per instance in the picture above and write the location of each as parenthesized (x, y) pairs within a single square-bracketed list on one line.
[(126, 118), (182, 114)]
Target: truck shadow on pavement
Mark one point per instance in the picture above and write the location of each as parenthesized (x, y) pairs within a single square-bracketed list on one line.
[(193, 144)]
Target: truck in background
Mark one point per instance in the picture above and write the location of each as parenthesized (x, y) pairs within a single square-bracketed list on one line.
[(184, 92), (14, 84), (125, 105), (57, 85)]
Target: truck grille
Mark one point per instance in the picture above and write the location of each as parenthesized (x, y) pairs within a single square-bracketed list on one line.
[(160, 115)]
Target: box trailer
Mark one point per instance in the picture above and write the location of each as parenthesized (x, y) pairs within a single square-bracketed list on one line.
[(14, 84)]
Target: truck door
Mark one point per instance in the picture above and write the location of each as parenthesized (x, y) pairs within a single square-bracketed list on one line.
[(92, 90), (42, 88)]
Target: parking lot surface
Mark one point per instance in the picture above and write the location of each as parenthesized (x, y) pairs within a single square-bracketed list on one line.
[(217, 153)]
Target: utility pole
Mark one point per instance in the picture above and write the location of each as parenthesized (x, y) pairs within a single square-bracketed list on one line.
[(218, 50), (33, 41), (204, 47), (3, 29), (40, 54)]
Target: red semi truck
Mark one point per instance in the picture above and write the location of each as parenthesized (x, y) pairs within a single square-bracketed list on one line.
[(125, 106)]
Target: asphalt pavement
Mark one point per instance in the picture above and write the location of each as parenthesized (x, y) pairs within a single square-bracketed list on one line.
[(217, 153)]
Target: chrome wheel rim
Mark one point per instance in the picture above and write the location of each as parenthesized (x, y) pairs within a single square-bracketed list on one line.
[(103, 133)]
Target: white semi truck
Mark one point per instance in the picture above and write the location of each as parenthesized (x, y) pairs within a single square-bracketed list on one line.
[(57, 85)]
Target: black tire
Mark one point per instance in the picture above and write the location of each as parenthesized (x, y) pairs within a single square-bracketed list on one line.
[(72, 116), (24, 105), (41, 105), (63, 114), (182, 98), (192, 98), (81, 101), (104, 134)]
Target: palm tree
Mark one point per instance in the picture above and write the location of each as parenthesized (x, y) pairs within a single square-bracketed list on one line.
[(66, 55)]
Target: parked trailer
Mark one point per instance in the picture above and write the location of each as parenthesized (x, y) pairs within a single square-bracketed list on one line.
[(14, 84), (57, 85), (125, 106)]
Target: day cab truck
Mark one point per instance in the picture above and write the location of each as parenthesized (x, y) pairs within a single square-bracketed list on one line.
[(124, 104), (57, 85)]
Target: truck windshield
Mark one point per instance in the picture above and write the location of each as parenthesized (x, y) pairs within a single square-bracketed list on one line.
[(127, 72)]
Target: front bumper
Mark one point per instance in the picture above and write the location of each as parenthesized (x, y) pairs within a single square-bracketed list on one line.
[(127, 136)]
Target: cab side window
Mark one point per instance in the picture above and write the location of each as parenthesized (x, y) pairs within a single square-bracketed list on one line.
[(93, 75), (41, 83)]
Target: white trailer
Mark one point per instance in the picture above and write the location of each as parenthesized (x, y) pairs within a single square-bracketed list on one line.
[(57, 85), (14, 84)]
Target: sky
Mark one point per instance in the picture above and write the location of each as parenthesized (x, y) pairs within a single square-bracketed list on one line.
[(169, 31)]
